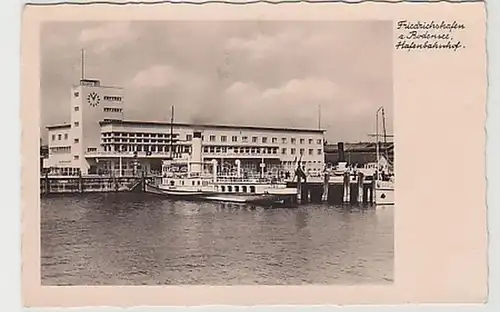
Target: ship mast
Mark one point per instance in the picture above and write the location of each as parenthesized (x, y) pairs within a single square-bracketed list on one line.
[(172, 133), (385, 135)]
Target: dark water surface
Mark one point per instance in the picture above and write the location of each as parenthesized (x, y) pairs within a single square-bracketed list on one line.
[(137, 239)]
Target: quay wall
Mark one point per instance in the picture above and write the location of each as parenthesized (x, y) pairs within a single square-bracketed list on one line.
[(88, 184)]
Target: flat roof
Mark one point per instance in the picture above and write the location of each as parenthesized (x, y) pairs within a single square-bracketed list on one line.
[(65, 125), (178, 124)]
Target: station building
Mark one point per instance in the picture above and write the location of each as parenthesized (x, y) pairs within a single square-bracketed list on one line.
[(99, 140)]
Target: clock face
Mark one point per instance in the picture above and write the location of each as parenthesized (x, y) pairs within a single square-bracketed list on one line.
[(93, 99)]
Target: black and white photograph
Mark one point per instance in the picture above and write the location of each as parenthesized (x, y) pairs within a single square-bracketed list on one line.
[(193, 152)]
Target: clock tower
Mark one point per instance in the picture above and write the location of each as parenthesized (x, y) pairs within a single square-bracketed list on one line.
[(91, 103)]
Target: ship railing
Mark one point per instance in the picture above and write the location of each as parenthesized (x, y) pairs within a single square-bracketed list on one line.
[(249, 180)]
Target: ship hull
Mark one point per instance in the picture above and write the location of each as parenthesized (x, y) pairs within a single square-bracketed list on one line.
[(283, 199), (384, 193)]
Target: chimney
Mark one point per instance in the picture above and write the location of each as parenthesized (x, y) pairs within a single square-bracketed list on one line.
[(340, 146), (196, 163)]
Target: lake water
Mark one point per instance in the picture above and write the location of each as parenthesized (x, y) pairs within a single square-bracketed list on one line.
[(139, 239)]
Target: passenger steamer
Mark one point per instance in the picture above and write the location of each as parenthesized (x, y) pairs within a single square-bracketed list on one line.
[(194, 179)]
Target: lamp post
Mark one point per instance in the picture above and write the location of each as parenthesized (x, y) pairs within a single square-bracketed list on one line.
[(262, 166), (120, 159)]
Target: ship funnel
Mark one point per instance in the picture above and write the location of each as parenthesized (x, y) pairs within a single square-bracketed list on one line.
[(341, 152), (196, 163)]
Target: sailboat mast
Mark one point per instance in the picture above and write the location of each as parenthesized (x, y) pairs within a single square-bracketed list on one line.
[(383, 124), (378, 151)]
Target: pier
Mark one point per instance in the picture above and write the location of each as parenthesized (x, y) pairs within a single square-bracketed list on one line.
[(335, 190), (90, 184)]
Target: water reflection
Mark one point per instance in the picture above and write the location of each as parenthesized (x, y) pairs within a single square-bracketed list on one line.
[(113, 239)]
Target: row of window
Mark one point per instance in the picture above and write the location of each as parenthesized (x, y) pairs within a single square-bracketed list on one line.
[(137, 134), (213, 138), (67, 149), (240, 150), (112, 98), (146, 148), (109, 136), (115, 140), (60, 150), (112, 110), (255, 139), (254, 150), (59, 137)]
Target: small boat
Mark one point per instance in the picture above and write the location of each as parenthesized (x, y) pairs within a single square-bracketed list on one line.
[(384, 193), (384, 184)]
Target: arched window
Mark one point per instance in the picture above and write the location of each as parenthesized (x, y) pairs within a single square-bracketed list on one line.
[(223, 188), (229, 189), (236, 188), (244, 188), (252, 189)]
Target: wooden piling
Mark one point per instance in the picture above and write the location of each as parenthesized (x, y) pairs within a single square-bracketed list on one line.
[(304, 193), (80, 183), (326, 181), (366, 189), (353, 193), (143, 183), (47, 184), (347, 182), (372, 189)]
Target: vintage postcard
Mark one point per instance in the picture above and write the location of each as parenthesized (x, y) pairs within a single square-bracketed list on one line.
[(257, 154)]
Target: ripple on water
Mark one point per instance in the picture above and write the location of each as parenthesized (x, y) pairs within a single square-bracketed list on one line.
[(135, 239)]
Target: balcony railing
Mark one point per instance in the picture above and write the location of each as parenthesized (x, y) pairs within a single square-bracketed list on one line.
[(128, 154), (236, 155)]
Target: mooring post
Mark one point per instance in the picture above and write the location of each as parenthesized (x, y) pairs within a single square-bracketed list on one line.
[(47, 183), (347, 183), (80, 182), (326, 183), (361, 183), (299, 190), (143, 182), (372, 189)]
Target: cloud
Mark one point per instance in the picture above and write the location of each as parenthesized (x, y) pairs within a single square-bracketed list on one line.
[(297, 103), (312, 90), (261, 46), (155, 76), (107, 36), (294, 102), (262, 73)]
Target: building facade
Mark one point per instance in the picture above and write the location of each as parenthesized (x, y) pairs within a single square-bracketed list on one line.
[(98, 140)]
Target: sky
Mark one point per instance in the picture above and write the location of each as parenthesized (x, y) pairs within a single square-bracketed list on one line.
[(264, 73)]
